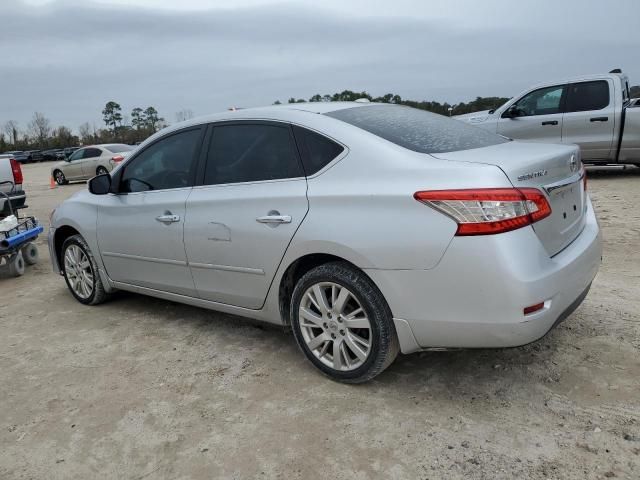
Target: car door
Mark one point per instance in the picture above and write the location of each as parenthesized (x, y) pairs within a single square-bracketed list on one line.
[(73, 167), (140, 225), (539, 116), (240, 220), (589, 118), (89, 161)]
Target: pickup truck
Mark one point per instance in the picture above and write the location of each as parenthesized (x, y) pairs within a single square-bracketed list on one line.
[(592, 111), (10, 184)]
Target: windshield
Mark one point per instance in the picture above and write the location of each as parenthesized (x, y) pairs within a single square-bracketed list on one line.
[(417, 130)]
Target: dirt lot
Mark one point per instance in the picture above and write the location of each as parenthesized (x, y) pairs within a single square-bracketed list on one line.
[(143, 388)]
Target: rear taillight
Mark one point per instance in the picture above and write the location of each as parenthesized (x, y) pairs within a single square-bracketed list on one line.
[(486, 211), (16, 169), (117, 158)]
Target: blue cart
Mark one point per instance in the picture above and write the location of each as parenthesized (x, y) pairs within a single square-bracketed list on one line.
[(16, 244)]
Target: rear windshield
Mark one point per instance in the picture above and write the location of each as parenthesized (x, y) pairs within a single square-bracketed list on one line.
[(417, 130), (119, 147)]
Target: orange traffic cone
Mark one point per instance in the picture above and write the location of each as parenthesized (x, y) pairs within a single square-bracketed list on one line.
[(52, 182)]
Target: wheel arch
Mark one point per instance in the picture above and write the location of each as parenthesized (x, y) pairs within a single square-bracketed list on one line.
[(300, 266), (60, 235)]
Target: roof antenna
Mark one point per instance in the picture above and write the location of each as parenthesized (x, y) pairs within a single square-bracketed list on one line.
[(616, 70)]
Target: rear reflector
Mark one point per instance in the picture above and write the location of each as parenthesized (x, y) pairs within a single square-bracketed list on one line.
[(533, 308), (16, 169), (487, 211)]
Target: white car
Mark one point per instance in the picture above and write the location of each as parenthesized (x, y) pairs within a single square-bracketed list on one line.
[(90, 161), (367, 228)]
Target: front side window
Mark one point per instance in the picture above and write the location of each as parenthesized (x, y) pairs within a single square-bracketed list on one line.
[(250, 153), (585, 96), (545, 101), (78, 154), (167, 163)]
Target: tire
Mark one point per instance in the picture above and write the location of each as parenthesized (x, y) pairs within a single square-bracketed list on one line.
[(92, 291), (363, 296), (59, 177), (16, 265), (30, 253), (101, 170)]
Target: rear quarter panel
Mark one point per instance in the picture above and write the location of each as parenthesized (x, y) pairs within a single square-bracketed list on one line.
[(362, 209)]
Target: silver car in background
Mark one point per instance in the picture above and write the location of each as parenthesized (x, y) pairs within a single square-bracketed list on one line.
[(367, 228), (90, 161)]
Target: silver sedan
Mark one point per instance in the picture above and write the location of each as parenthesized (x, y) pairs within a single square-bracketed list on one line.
[(90, 161), (368, 229)]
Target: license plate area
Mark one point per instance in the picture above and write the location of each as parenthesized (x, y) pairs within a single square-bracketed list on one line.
[(566, 203)]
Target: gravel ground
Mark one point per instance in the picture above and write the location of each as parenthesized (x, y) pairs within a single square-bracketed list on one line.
[(143, 388)]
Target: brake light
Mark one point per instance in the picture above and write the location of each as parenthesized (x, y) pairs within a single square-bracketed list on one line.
[(16, 169), (117, 158), (487, 211)]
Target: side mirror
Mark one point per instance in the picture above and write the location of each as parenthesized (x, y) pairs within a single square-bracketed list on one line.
[(512, 112), (100, 185)]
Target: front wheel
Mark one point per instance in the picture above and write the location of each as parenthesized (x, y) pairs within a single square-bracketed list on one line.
[(81, 271), (342, 323)]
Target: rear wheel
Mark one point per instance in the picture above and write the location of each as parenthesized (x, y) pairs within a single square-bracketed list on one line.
[(81, 272), (101, 170), (342, 323), (59, 177)]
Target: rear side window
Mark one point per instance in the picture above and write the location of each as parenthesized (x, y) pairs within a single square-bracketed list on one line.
[(91, 153), (417, 130), (251, 153), (317, 151), (586, 96), (167, 163)]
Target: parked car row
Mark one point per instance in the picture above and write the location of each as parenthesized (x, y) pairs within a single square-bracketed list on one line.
[(32, 156)]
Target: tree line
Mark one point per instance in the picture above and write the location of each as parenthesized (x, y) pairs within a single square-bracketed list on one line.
[(140, 123), (118, 128), (480, 103)]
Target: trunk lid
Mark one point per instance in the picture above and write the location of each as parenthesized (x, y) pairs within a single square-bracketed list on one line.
[(556, 170)]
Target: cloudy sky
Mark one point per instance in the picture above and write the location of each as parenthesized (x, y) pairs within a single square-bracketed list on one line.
[(67, 58)]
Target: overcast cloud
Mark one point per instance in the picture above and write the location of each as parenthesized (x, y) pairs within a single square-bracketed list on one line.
[(68, 58)]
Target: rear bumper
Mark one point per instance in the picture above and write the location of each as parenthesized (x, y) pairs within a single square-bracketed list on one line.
[(475, 296), (17, 200)]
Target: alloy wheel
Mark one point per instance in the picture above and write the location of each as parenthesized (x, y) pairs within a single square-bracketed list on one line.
[(334, 326), (77, 268)]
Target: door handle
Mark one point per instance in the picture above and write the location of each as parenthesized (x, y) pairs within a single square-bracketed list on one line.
[(600, 119), (550, 122), (168, 218), (274, 219)]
